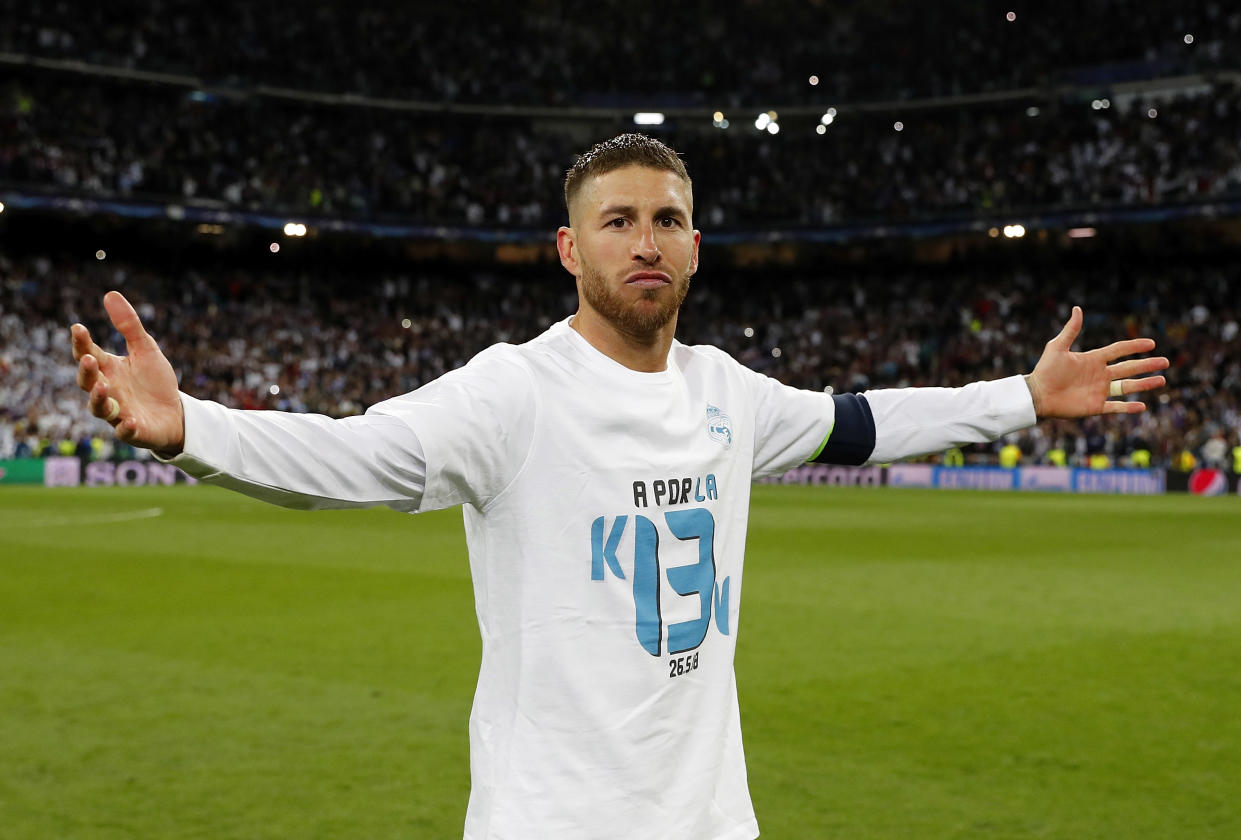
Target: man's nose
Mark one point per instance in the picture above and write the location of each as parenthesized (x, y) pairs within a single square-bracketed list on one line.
[(646, 248)]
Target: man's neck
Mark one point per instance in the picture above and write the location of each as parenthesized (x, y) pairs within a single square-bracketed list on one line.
[(644, 353)]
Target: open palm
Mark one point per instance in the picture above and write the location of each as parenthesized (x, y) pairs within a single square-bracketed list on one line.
[(1068, 384), (136, 393)]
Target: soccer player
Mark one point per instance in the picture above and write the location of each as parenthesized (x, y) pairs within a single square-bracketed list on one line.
[(605, 473)]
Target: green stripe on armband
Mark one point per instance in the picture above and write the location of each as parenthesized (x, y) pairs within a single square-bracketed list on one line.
[(819, 451)]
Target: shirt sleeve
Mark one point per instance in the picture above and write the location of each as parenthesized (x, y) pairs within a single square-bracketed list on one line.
[(876, 427), (917, 421), (303, 461), (475, 426), (461, 438), (790, 424)]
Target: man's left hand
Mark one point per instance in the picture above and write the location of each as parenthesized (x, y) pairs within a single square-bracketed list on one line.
[(1068, 384)]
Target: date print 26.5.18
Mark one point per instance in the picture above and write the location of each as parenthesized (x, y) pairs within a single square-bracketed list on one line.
[(682, 664)]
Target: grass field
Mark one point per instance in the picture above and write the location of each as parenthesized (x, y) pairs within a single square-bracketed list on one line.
[(911, 665)]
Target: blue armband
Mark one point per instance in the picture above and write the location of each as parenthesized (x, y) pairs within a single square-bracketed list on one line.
[(852, 438)]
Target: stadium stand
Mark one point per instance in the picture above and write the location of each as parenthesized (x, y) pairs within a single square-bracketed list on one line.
[(364, 112), (81, 135), (557, 52), (323, 342)]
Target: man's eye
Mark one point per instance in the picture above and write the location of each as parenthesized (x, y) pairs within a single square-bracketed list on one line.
[(617, 223), (669, 222)]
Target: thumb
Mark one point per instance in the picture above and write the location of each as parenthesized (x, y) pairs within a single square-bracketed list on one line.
[(1070, 332), (127, 322)]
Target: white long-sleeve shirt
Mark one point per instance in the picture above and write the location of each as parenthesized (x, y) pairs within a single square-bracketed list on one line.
[(605, 514)]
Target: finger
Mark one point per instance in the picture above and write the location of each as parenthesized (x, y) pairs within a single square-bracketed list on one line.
[(1069, 334), (1128, 347), (88, 371), (1117, 407), (1136, 367), (83, 345), (127, 429), (101, 402), (1137, 386), (127, 322)]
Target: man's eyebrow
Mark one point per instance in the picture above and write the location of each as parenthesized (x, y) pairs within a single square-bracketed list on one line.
[(671, 210), (617, 210), (629, 210)]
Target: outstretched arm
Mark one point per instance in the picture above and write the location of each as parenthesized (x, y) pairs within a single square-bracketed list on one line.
[(476, 423), (294, 460), (1068, 384), (894, 423), (137, 393)]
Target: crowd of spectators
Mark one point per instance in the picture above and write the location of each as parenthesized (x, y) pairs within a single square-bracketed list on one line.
[(336, 344), (557, 52), (79, 135)]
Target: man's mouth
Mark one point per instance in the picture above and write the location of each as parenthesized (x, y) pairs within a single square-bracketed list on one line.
[(648, 279)]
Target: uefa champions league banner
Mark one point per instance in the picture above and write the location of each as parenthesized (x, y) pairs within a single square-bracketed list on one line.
[(1204, 482), (1046, 479), (71, 472)]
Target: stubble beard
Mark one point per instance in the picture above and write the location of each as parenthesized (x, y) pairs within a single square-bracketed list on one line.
[(651, 312)]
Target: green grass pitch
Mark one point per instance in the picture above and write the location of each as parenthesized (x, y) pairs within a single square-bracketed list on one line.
[(911, 665)]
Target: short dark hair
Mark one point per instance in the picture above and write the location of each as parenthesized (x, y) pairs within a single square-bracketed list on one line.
[(624, 150)]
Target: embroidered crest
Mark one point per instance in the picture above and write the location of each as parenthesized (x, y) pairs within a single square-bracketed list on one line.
[(719, 426)]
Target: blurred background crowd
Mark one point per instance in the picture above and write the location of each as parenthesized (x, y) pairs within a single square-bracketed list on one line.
[(107, 138), (603, 52), (794, 119), (314, 341)]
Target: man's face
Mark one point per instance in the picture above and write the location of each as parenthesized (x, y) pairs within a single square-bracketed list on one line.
[(632, 246)]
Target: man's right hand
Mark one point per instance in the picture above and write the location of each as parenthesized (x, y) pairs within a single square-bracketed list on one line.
[(137, 394)]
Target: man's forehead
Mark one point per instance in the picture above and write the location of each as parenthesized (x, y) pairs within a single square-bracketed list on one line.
[(636, 186)]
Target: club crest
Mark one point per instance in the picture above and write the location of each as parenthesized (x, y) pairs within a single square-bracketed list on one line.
[(719, 426)]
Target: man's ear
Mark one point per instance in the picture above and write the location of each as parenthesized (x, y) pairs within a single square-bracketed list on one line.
[(566, 246), (693, 262)]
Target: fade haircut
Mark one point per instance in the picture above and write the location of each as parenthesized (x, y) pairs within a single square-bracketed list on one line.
[(624, 150)]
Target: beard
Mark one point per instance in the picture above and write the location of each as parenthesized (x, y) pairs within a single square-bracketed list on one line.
[(649, 313)]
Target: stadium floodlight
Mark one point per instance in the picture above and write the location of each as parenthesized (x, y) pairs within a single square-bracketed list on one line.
[(274, 247), (1032, 111), (648, 118), (1152, 113), (101, 254), (1, 206), (294, 229), (773, 127), (762, 121), (274, 390), (1082, 233), (898, 126), (814, 80), (820, 129), (1189, 39), (829, 117), (1014, 231)]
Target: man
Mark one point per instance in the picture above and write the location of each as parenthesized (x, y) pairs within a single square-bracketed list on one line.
[(605, 472)]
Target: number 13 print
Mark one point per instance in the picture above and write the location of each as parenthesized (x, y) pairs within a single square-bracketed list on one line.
[(692, 579)]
